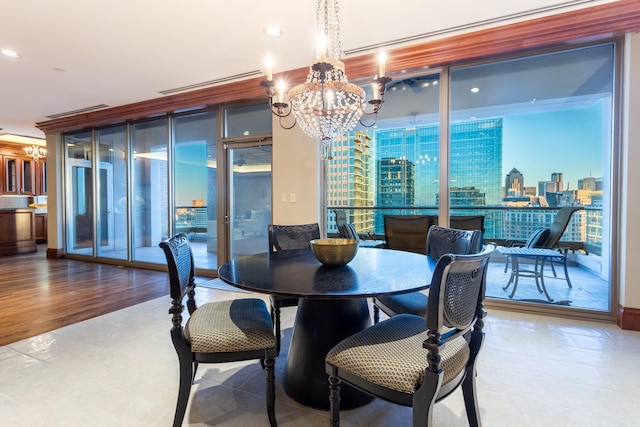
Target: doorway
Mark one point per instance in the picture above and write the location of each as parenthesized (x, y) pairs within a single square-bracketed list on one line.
[(249, 197)]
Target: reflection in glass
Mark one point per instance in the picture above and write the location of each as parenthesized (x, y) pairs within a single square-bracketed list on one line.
[(79, 200), (530, 136), (250, 204), (112, 186), (247, 120), (195, 182), (149, 206)]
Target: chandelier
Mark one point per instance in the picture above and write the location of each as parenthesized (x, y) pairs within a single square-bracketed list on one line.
[(36, 152), (326, 105)]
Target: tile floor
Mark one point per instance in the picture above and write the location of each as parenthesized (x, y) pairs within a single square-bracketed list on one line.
[(121, 370)]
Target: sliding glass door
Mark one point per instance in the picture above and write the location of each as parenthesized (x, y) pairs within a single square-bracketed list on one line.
[(249, 198), (529, 136), (150, 199), (195, 185), (132, 185), (520, 139)]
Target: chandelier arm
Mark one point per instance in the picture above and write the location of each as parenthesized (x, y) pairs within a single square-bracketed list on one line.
[(286, 127), (279, 108), (375, 119)]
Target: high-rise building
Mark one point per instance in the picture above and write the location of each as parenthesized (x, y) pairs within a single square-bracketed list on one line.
[(475, 162), (350, 180), (513, 183)]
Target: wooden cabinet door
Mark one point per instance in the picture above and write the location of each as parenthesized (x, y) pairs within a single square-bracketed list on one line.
[(19, 175)]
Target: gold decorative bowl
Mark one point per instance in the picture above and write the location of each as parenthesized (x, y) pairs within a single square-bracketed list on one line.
[(334, 251)]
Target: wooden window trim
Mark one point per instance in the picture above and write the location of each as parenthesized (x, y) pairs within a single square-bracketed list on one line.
[(573, 27)]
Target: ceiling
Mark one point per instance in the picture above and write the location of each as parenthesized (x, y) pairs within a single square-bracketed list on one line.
[(78, 55)]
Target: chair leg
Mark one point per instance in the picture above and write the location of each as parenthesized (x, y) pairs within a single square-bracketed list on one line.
[(376, 314), (276, 320), (506, 263), (186, 379), (271, 391), (515, 273), (334, 401), (566, 272), (424, 399), (195, 370), (471, 399)]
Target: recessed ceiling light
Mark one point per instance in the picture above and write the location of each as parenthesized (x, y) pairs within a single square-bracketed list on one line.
[(475, 89), (9, 53), (273, 31)]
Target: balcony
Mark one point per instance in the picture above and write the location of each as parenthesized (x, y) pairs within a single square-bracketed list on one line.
[(582, 242)]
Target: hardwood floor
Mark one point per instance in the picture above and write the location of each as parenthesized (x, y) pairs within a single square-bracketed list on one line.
[(38, 295)]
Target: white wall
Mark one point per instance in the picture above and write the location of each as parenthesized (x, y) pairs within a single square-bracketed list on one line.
[(296, 171), (629, 268)]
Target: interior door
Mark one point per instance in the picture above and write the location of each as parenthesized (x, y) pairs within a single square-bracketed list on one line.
[(249, 197)]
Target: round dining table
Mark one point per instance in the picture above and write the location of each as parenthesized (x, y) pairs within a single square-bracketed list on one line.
[(332, 305)]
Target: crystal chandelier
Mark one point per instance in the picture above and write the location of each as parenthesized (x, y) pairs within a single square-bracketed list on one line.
[(326, 105), (36, 152)]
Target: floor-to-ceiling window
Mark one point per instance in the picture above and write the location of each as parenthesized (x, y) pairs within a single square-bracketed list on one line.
[(112, 192), (247, 136), (134, 184), (195, 184), (79, 193), (392, 164), (529, 136), (150, 202), (525, 136)]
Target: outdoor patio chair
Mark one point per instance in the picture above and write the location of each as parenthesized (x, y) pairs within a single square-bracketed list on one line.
[(549, 238)]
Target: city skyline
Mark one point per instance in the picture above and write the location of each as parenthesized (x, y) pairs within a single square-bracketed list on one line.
[(573, 138)]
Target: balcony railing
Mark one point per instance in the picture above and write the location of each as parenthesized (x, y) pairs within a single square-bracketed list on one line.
[(501, 223)]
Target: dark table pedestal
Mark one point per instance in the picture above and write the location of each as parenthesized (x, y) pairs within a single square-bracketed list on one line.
[(320, 324)]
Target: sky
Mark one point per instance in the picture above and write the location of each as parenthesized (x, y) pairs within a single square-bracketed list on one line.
[(567, 141)]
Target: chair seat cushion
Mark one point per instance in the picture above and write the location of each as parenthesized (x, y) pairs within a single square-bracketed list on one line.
[(411, 303), (230, 326), (390, 354)]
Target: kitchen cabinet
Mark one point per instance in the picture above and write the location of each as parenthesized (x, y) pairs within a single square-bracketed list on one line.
[(17, 231), (41, 227), (19, 175)]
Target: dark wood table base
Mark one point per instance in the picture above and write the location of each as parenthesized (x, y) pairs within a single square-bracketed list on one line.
[(304, 376)]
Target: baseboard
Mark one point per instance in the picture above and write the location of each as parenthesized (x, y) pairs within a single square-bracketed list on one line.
[(53, 253), (629, 318)]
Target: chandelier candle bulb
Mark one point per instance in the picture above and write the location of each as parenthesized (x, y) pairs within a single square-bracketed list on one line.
[(280, 91), (269, 64), (376, 91), (382, 58), (322, 47)]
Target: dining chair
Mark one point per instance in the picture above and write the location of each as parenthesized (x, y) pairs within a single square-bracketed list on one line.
[(406, 361), (440, 241), (286, 238), (215, 332), (407, 232)]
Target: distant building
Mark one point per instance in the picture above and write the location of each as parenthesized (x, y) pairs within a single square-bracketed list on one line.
[(351, 181), (513, 183), (396, 182)]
